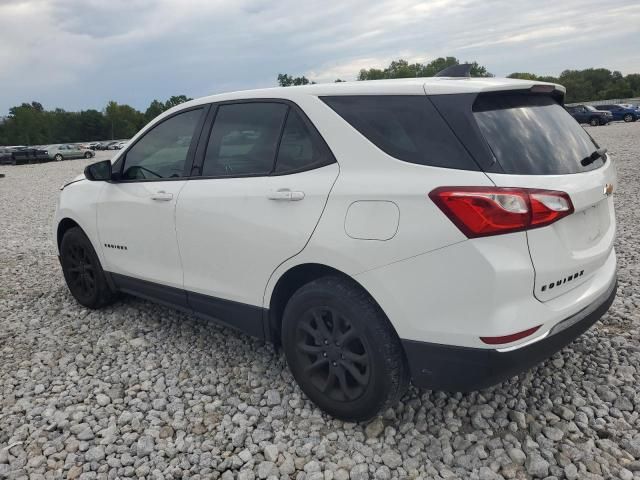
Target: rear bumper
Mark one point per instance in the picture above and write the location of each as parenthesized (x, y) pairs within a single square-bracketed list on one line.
[(451, 368)]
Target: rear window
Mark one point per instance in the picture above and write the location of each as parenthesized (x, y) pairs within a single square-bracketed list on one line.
[(407, 127), (533, 135)]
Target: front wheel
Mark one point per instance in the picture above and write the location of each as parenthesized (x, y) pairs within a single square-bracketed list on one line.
[(628, 118), (342, 350), (82, 270), (57, 157), (88, 155), (594, 122)]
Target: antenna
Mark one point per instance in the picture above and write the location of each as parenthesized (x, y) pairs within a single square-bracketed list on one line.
[(461, 70)]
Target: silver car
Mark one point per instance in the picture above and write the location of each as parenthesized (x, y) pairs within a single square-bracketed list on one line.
[(67, 151)]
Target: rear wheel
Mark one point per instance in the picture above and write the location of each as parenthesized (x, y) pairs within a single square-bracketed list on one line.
[(82, 270), (342, 350), (88, 155), (628, 118), (594, 122), (58, 157)]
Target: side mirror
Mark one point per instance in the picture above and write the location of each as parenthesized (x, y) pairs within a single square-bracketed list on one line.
[(99, 171)]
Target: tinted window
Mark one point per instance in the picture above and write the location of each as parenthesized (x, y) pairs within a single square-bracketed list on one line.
[(300, 147), (406, 127), (162, 152), (244, 139), (533, 135)]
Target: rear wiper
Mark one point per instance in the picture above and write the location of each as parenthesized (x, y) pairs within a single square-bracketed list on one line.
[(599, 153)]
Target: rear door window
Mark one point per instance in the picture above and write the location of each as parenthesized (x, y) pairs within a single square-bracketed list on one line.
[(244, 139), (533, 135), (407, 127)]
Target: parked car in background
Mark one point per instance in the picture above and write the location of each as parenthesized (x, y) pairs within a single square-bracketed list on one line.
[(446, 232), (115, 145), (23, 155), (68, 151), (590, 115), (626, 112)]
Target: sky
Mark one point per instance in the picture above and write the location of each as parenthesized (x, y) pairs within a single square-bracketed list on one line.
[(79, 54)]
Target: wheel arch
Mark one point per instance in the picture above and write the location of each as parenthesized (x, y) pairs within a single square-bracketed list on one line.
[(293, 279), (63, 226)]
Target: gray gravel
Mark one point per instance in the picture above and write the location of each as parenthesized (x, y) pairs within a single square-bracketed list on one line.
[(138, 390)]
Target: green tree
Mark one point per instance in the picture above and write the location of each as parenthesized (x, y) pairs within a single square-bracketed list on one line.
[(286, 80), (124, 120), (155, 108), (403, 69)]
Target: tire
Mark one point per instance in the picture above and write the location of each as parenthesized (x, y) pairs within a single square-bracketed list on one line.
[(88, 155), (594, 122), (82, 270), (628, 118), (57, 157), (342, 350)]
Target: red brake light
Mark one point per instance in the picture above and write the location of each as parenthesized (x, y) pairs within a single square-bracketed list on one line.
[(484, 211)]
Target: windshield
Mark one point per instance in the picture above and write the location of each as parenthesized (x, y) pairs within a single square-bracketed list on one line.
[(590, 108), (533, 135)]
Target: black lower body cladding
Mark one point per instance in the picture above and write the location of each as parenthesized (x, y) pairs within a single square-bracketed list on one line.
[(463, 369)]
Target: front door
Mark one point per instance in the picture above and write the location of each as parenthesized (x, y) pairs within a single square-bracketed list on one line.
[(136, 214), (266, 177)]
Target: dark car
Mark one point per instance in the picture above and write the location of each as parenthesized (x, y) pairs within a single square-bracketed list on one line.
[(621, 112), (23, 155), (589, 114)]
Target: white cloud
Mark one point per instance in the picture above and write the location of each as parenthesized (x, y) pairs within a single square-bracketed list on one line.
[(81, 53)]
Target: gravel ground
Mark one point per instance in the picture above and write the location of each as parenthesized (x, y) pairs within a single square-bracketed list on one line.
[(139, 390)]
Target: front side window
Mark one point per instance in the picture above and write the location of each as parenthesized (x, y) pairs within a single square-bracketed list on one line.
[(162, 152), (300, 147), (244, 139)]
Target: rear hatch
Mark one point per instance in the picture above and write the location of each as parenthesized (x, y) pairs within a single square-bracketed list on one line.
[(535, 143)]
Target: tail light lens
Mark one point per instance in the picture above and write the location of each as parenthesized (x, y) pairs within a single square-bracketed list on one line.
[(485, 211)]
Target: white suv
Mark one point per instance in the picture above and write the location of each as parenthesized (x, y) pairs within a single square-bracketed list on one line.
[(447, 231)]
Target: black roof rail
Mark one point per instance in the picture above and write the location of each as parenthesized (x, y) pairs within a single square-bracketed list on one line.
[(461, 70)]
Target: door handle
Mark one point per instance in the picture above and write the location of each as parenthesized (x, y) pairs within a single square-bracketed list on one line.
[(284, 194), (162, 196)]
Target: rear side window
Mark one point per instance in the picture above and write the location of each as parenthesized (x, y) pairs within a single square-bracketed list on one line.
[(407, 127), (301, 147), (533, 135), (244, 139)]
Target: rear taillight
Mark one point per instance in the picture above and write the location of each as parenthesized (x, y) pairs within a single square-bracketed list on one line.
[(484, 211)]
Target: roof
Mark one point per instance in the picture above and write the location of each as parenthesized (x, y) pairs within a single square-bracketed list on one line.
[(401, 86)]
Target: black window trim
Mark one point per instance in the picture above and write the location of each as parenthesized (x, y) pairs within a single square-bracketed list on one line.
[(208, 127), (118, 166)]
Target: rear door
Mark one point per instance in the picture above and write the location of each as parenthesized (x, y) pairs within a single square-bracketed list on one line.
[(266, 176), (536, 144)]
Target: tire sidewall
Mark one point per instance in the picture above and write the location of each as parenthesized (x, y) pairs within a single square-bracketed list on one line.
[(376, 393), (76, 236)]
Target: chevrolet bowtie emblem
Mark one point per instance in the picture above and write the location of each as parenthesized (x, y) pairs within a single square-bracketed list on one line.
[(608, 189)]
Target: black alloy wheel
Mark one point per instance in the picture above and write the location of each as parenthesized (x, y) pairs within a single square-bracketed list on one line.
[(342, 350), (333, 354)]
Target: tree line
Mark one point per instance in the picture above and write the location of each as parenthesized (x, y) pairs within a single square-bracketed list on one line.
[(582, 85), (31, 124)]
